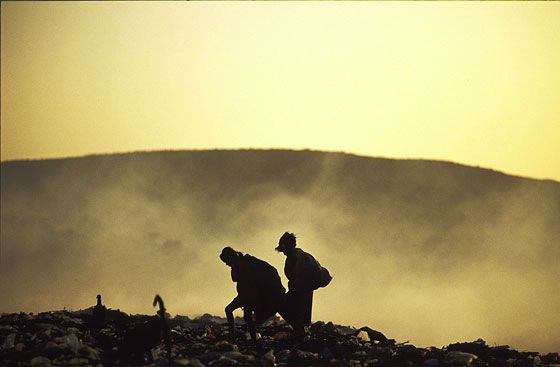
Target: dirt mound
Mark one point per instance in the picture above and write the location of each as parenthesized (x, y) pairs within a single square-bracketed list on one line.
[(68, 339)]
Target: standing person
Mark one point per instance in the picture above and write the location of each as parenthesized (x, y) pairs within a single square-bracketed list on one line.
[(259, 289), (304, 274)]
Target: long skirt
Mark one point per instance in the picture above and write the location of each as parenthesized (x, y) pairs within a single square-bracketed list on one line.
[(297, 309)]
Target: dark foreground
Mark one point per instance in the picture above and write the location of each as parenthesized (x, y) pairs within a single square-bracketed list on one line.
[(66, 339)]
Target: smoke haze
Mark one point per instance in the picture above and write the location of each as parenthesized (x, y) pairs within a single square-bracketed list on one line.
[(430, 252)]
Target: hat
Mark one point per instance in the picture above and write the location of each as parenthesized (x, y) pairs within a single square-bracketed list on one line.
[(287, 241)]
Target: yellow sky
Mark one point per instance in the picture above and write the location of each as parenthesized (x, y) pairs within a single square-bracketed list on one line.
[(470, 82)]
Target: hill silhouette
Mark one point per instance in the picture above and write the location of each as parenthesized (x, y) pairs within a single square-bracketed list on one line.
[(426, 251)]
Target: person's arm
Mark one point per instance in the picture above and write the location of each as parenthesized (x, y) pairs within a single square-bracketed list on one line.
[(234, 305)]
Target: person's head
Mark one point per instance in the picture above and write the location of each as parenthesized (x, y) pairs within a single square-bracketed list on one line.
[(286, 243), (230, 256)]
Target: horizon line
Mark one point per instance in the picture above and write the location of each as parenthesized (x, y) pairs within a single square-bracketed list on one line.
[(178, 150)]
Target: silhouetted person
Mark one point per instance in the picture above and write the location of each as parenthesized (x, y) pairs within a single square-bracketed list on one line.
[(259, 289), (304, 274), (99, 315), (143, 337)]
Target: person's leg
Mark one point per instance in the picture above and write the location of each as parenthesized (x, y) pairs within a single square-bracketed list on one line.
[(234, 305), (297, 311), (286, 308), (300, 313), (307, 306), (248, 316)]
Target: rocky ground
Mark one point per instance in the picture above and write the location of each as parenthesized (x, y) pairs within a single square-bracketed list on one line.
[(68, 339)]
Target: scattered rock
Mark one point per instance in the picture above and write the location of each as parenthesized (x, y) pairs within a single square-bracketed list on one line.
[(196, 363), (239, 357), (223, 362), (62, 339), (209, 357), (225, 346), (181, 361), (326, 353), (9, 342), (40, 362), (282, 335), (460, 358), (432, 362), (19, 347), (283, 356), (78, 362), (268, 359), (363, 336)]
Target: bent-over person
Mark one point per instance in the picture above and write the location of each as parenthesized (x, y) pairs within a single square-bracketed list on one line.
[(259, 289)]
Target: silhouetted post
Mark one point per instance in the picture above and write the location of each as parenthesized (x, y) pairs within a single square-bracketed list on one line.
[(165, 333), (140, 340), (99, 315)]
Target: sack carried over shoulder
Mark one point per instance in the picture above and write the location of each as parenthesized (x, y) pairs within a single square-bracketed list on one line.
[(324, 279), (317, 276)]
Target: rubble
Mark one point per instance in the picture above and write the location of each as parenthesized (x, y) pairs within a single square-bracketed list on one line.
[(65, 338)]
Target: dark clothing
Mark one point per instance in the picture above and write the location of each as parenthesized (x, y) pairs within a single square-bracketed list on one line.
[(247, 291), (299, 268), (259, 290), (259, 287), (304, 272), (270, 289), (297, 310)]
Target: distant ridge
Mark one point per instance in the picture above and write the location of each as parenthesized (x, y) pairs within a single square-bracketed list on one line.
[(143, 152)]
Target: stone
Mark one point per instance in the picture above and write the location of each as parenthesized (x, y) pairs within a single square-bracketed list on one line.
[(304, 354), (72, 342), (181, 361), (239, 357), (372, 363), (225, 346), (195, 363), (326, 353), (248, 336), (461, 358), (78, 362), (7, 328), (89, 352), (363, 336), (9, 342), (268, 359), (283, 356), (223, 362), (53, 348), (209, 357), (46, 334), (282, 335), (40, 362)]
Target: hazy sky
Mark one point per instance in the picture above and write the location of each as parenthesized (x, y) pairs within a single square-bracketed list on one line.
[(470, 82)]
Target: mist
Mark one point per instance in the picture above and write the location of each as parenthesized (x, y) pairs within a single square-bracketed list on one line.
[(424, 251)]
